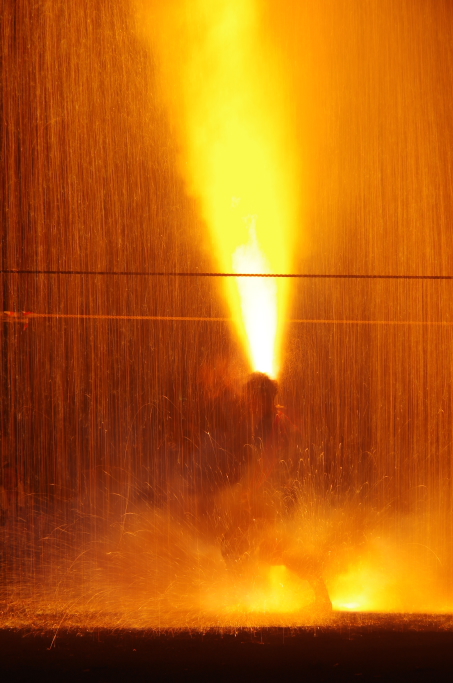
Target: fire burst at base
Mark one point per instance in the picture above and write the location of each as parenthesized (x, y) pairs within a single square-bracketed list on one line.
[(190, 555)]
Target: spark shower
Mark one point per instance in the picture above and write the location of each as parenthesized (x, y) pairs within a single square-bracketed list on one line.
[(249, 136)]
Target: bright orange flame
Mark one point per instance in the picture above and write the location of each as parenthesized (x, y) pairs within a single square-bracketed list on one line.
[(390, 577), (224, 88), (267, 590)]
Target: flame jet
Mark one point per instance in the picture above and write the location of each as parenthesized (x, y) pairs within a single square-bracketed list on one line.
[(224, 86)]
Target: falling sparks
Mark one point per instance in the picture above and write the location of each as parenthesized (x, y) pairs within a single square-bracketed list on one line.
[(282, 119)]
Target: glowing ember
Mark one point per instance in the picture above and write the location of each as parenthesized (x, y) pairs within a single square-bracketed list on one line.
[(228, 104)]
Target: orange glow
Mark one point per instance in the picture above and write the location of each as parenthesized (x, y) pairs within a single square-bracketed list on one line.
[(273, 590), (223, 84), (390, 577)]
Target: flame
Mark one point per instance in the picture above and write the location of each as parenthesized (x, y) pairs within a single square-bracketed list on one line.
[(264, 590), (259, 304), (223, 83), (391, 577)]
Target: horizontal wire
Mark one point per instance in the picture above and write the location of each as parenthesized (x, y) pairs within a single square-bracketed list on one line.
[(119, 317), (183, 274), (377, 322), (26, 316)]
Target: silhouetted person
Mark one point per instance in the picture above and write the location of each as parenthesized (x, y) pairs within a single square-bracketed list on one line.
[(257, 507)]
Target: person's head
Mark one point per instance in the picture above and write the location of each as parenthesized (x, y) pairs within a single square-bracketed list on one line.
[(259, 393)]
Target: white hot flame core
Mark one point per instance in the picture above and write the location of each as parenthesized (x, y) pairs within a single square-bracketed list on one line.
[(258, 302)]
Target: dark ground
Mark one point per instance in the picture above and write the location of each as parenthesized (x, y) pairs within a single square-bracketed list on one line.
[(382, 649)]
